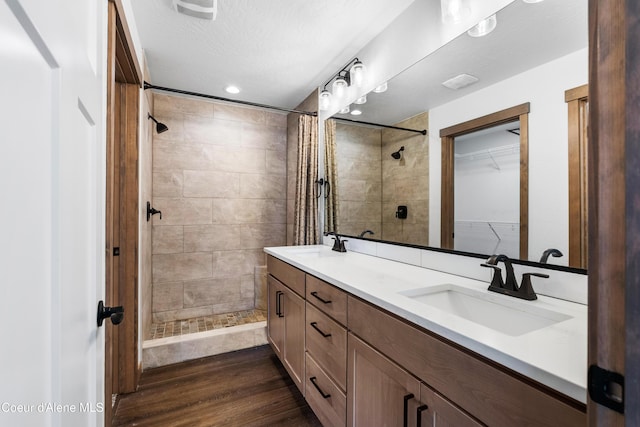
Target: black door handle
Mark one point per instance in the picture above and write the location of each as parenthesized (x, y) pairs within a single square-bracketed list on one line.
[(116, 314)]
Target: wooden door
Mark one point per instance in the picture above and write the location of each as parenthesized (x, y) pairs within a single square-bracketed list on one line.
[(275, 319), (380, 393), (51, 221), (293, 309), (436, 411)]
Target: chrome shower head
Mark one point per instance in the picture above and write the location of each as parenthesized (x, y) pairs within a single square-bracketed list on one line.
[(160, 127), (397, 154)]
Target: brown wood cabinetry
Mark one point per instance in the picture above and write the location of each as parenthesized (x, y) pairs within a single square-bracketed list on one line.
[(378, 389), (326, 345), (327, 298), (490, 393), (359, 365), (382, 393), (285, 324), (324, 396)]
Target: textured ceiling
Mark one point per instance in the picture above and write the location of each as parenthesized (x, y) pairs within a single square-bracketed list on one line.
[(276, 51)]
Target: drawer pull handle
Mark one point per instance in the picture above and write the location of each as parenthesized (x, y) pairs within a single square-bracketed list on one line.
[(315, 384), (279, 304), (407, 398), (322, 300), (314, 326), (419, 415)]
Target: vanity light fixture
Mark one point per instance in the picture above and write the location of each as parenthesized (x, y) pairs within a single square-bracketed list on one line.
[(460, 81), (484, 27), (352, 74)]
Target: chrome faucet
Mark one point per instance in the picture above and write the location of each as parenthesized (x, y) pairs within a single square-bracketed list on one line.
[(338, 245), (510, 286), (366, 232)]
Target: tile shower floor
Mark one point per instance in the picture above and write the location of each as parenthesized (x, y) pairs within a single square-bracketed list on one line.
[(206, 323)]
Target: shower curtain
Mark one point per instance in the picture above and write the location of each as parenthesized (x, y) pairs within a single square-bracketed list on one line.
[(331, 176), (305, 224)]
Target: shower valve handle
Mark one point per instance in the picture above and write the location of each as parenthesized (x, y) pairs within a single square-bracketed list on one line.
[(152, 211)]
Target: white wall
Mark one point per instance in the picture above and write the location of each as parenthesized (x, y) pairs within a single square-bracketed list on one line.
[(544, 88)]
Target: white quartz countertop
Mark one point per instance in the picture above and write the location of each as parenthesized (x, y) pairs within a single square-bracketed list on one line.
[(555, 355)]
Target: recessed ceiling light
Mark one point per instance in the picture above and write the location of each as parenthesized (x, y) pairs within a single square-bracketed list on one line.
[(356, 112), (460, 81), (381, 88), (532, 1), (232, 89)]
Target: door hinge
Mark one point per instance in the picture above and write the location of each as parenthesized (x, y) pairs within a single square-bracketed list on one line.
[(116, 251), (606, 388)]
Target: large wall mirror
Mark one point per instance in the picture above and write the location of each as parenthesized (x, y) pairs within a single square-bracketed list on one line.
[(389, 182)]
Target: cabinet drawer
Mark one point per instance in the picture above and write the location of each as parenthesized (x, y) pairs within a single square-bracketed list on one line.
[(326, 341), (327, 298), (326, 399), (287, 274)]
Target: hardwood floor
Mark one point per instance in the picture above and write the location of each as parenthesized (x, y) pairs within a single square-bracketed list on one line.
[(243, 388)]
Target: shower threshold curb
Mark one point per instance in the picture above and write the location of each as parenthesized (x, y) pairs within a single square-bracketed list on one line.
[(180, 348)]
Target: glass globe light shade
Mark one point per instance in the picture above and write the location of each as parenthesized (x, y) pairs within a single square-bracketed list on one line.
[(357, 74), (325, 100), (339, 87)]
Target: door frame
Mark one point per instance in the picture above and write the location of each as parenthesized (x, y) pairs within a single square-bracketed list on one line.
[(124, 82), (614, 202), (577, 106), (519, 113)]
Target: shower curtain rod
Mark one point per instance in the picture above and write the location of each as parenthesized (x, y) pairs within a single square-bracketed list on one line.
[(219, 98), (423, 131)]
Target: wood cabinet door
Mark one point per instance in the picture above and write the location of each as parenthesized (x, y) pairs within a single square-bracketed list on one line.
[(275, 319), (292, 308), (380, 393), (436, 411)]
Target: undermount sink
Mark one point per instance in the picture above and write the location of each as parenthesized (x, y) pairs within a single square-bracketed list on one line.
[(492, 311)]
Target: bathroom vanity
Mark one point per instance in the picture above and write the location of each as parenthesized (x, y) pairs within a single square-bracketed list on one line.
[(369, 341)]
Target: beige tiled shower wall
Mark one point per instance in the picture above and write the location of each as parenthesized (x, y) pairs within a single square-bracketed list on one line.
[(406, 182), (220, 180), (359, 179)]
